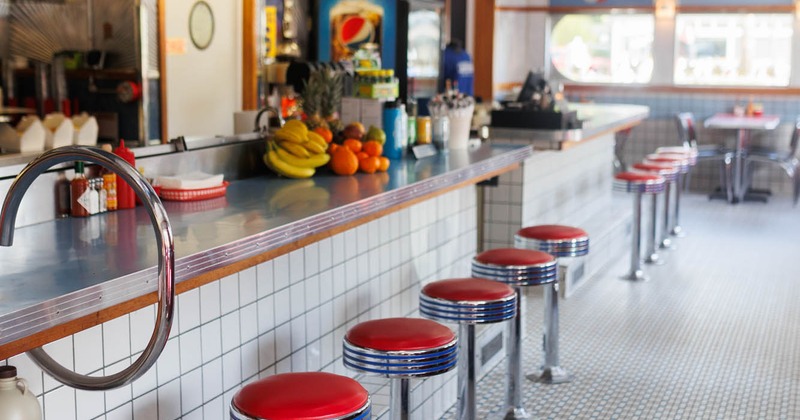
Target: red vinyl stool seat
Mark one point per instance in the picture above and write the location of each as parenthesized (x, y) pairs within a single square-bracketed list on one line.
[(556, 240), (400, 349), (467, 301), (638, 183), (302, 396)]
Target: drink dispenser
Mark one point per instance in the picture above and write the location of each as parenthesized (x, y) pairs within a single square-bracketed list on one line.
[(16, 401)]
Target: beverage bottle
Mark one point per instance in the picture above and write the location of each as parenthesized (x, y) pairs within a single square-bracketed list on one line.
[(80, 201), (126, 198), (393, 127)]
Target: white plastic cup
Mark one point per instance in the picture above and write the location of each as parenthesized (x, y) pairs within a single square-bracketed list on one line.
[(460, 124)]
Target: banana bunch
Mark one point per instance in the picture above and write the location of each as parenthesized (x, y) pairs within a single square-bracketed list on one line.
[(299, 198), (296, 152)]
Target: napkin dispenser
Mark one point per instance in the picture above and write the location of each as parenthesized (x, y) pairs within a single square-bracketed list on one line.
[(59, 131), (27, 136), (86, 130)]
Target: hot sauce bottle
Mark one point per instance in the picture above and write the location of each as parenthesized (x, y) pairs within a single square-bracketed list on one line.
[(78, 192)]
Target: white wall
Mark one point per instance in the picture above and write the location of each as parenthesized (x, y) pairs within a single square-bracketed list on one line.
[(520, 42), (204, 88)]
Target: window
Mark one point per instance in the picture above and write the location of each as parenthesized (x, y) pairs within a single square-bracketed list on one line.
[(733, 49), (609, 48)]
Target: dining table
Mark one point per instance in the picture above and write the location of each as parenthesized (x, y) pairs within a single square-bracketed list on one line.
[(744, 126)]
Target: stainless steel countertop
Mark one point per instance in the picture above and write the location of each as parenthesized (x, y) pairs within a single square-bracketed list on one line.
[(68, 268), (597, 119)]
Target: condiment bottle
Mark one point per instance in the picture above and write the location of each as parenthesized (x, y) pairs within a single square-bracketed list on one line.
[(110, 186), (78, 192), (126, 198), (16, 401)]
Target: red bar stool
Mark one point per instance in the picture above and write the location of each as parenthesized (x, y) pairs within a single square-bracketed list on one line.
[(637, 183), (517, 268), (308, 395), (558, 241), (682, 162), (400, 349), (467, 302), (670, 174)]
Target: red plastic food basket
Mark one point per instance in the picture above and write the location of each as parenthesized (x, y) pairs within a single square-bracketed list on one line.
[(194, 195)]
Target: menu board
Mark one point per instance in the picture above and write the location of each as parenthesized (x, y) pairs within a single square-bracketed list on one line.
[(343, 25)]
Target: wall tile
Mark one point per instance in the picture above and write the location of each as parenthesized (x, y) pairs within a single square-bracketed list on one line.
[(189, 310), (89, 350), (62, 351), (248, 322), (210, 301), (216, 409), (146, 406), (211, 336), (264, 278), (89, 404), (212, 379), (28, 370), (281, 272), (248, 292), (191, 390), (231, 333), (229, 293), (190, 343), (296, 266), (249, 359), (123, 412), (266, 314), (283, 306), (60, 403), (116, 340), (169, 400)]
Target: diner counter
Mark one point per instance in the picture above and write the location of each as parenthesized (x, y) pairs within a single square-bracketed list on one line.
[(598, 120), (66, 275)]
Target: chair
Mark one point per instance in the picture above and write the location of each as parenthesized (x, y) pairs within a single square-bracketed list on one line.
[(688, 137), (786, 159)]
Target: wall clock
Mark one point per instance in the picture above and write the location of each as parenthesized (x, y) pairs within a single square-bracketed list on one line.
[(201, 25)]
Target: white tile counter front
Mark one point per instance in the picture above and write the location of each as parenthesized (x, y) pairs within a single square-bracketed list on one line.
[(286, 309)]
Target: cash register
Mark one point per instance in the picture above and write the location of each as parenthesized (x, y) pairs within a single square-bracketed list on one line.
[(536, 107)]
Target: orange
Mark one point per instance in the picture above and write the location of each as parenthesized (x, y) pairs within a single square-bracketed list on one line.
[(373, 148), (384, 163), (332, 148), (324, 133), (344, 162), (353, 144), (361, 155), (369, 164)]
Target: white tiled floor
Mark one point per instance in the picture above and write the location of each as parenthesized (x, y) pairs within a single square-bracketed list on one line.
[(713, 335)]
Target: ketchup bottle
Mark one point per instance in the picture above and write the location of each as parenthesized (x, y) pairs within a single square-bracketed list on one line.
[(126, 198)]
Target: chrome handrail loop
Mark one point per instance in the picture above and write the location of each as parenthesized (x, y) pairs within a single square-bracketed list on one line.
[(166, 263)]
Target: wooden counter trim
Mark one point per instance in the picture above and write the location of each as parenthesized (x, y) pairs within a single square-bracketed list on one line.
[(702, 90), (72, 327), (622, 127)]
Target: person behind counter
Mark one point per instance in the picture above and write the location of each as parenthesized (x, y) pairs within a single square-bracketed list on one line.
[(458, 67)]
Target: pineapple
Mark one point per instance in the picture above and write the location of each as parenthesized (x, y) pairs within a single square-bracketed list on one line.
[(313, 92), (332, 99)]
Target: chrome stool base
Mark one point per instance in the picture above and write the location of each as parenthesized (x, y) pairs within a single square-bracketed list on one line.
[(518, 413), (654, 259), (552, 375), (667, 244), (677, 232), (637, 275)]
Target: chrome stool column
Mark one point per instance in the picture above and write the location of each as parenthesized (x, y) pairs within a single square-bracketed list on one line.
[(637, 183), (467, 301), (517, 268), (400, 349), (558, 241), (683, 162), (308, 395), (670, 174)]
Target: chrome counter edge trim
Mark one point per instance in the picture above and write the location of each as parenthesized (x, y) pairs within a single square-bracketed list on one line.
[(42, 316)]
